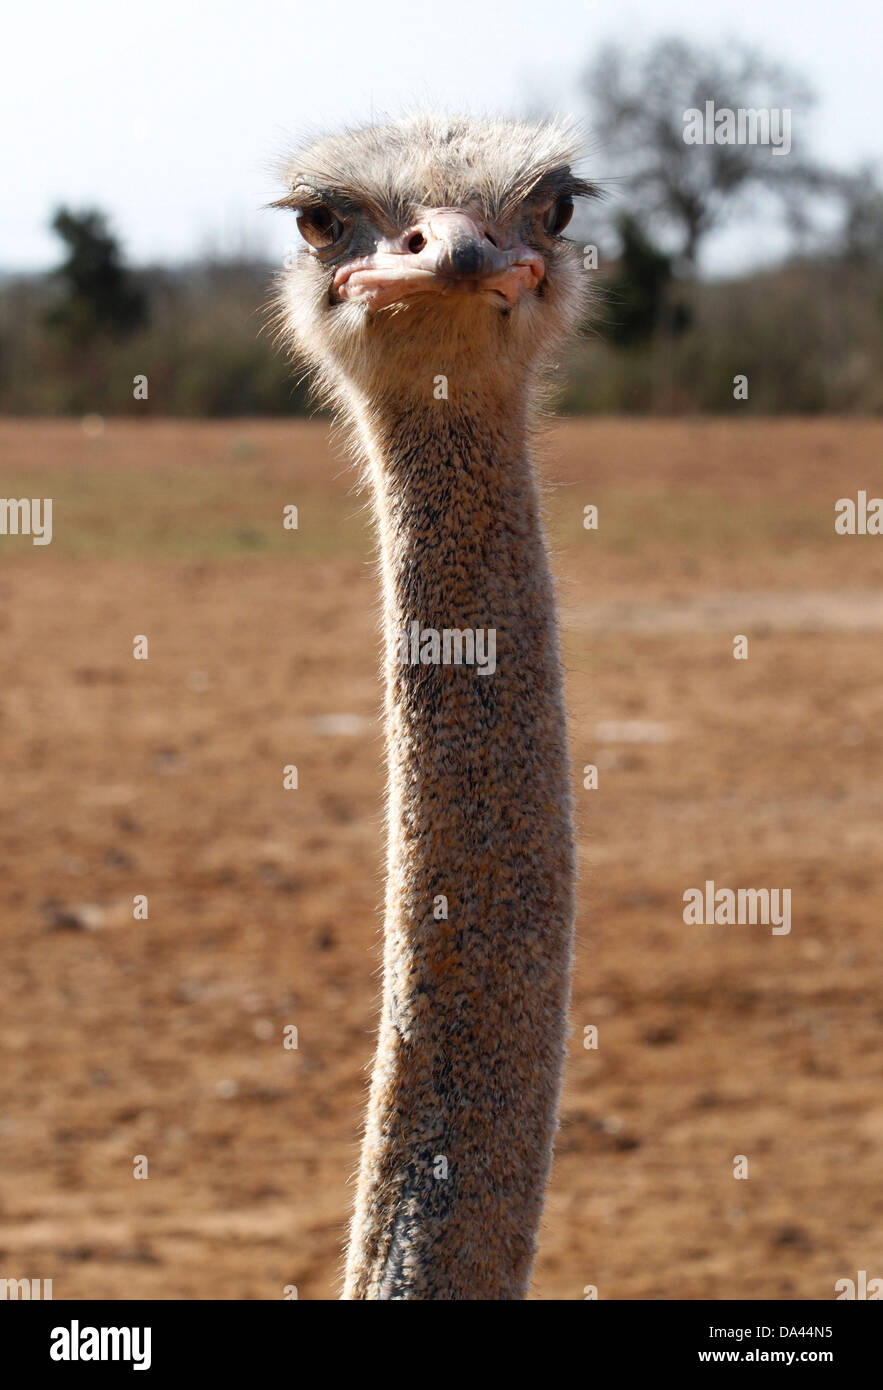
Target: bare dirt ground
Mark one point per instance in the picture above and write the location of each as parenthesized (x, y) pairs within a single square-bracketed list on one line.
[(122, 1037)]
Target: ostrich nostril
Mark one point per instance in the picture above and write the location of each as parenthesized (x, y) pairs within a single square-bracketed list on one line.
[(488, 237), (416, 242)]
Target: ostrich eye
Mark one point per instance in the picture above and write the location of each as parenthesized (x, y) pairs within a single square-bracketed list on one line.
[(319, 226), (557, 216)]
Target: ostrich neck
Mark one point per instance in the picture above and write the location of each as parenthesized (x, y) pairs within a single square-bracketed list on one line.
[(479, 902)]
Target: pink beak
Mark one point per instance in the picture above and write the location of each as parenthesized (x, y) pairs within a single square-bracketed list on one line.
[(446, 251)]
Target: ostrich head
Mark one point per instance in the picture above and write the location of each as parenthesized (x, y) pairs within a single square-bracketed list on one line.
[(431, 246)]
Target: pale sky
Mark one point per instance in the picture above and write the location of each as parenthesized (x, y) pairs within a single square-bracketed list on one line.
[(167, 115)]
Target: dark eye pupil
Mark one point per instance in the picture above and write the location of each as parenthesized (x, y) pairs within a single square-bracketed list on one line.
[(319, 226), (558, 215)]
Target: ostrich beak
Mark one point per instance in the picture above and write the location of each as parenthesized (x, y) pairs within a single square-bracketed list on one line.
[(446, 251)]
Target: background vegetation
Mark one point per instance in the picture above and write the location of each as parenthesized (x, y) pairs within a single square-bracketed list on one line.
[(806, 331)]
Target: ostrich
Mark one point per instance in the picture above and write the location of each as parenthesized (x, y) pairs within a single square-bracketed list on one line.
[(433, 286)]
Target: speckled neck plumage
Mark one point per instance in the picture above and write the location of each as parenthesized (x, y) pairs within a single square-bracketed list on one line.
[(472, 1033)]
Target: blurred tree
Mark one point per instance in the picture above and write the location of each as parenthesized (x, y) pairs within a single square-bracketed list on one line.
[(861, 240), (639, 290), (99, 294), (684, 191)]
